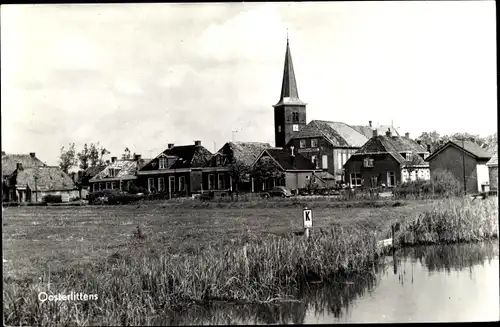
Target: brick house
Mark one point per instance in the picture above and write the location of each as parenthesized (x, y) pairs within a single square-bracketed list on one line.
[(27, 179), (387, 160), (463, 158), (118, 174), (178, 170), (231, 165), (492, 165), (326, 143), (289, 169)]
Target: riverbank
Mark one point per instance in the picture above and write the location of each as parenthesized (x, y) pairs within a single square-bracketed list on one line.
[(233, 258)]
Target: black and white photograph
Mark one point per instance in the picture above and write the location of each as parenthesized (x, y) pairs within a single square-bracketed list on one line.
[(255, 163)]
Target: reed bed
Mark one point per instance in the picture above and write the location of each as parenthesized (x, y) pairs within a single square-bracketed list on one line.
[(452, 221), (136, 289)]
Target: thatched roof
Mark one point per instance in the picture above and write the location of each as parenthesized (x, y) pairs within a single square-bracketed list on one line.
[(493, 162), (49, 178), (286, 161), (246, 152), (124, 169), (9, 162)]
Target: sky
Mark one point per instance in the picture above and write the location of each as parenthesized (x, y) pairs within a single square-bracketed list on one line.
[(145, 75)]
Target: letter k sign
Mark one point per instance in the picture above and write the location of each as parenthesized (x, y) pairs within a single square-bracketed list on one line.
[(308, 215)]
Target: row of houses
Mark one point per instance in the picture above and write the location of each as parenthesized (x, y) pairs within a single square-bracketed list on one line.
[(322, 153)]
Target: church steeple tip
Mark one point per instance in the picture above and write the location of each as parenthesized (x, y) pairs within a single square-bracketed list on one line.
[(289, 91)]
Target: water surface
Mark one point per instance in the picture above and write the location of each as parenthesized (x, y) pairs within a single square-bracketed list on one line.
[(445, 283)]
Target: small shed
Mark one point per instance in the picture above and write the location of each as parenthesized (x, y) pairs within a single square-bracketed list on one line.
[(492, 165)]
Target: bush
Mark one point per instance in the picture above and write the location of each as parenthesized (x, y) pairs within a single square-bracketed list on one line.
[(50, 198), (442, 183), (134, 189)]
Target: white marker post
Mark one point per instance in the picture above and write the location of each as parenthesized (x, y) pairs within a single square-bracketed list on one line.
[(307, 215)]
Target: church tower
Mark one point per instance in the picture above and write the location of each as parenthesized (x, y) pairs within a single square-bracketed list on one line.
[(290, 111)]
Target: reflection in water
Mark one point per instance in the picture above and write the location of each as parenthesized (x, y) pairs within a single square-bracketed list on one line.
[(426, 292)]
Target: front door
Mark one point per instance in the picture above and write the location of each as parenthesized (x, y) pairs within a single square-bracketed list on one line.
[(171, 184)]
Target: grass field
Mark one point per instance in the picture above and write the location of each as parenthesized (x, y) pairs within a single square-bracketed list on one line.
[(36, 238), (144, 259)]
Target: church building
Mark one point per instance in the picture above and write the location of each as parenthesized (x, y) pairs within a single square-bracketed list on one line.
[(328, 144)]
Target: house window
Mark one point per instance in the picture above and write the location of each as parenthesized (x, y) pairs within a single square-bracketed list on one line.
[(163, 163), (108, 186), (314, 161), (151, 183), (408, 156), (324, 161), (211, 181), (102, 186), (182, 183), (161, 184), (295, 127), (302, 144), (367, 162), (96, 187), (391, 178), (355, 179), (113, 185), (295, 117), (314, 143), (111, 172), (339, 160), (221, 181), (279, 128)]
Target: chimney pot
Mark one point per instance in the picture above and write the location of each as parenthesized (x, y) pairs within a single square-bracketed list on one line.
[(375, 132), (429, 148), (407, 135), (19, 166), (113, 159), (32, 154), (197, 142), (170, 145), (137, 157), (388, 133), (370, 122)]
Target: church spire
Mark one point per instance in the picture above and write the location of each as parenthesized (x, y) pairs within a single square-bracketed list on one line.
[(289, 92)]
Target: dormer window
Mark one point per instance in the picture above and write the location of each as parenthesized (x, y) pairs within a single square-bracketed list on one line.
[(408, 156), (112, 172), (220, 160), (302, 143), (163, 163), (368, 162)]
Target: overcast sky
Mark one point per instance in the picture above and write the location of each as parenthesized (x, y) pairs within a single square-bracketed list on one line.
[(142, 76)]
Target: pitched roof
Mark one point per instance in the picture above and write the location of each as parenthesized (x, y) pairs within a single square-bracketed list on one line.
[(247, 152), (493, 162), (289, 91), (393, 145), (470, 148), (337, 133), (9, 162), (286, 161), (124, 168), (189, 156), (367, 131), (49, 179)]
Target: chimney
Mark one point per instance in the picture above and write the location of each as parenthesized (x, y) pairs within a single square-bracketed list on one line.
[(407, 135), (429, 148), (32, 154), (19, 166), (137, 157), (370, 123), (388, 133), (197, 142), (170, 145), (291, 149), (375, 132), (419, 142), (113, 159)]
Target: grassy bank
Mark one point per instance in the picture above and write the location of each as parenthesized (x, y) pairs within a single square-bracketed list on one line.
[(135, 288), (451, 221), (180, 257)]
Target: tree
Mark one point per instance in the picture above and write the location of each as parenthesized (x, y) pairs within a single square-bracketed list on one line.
[(238, 172), (265, 169), (96, 154), (84, 157), (67, 159)]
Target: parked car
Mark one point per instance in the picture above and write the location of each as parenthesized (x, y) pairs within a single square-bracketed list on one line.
[(277, 191)]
